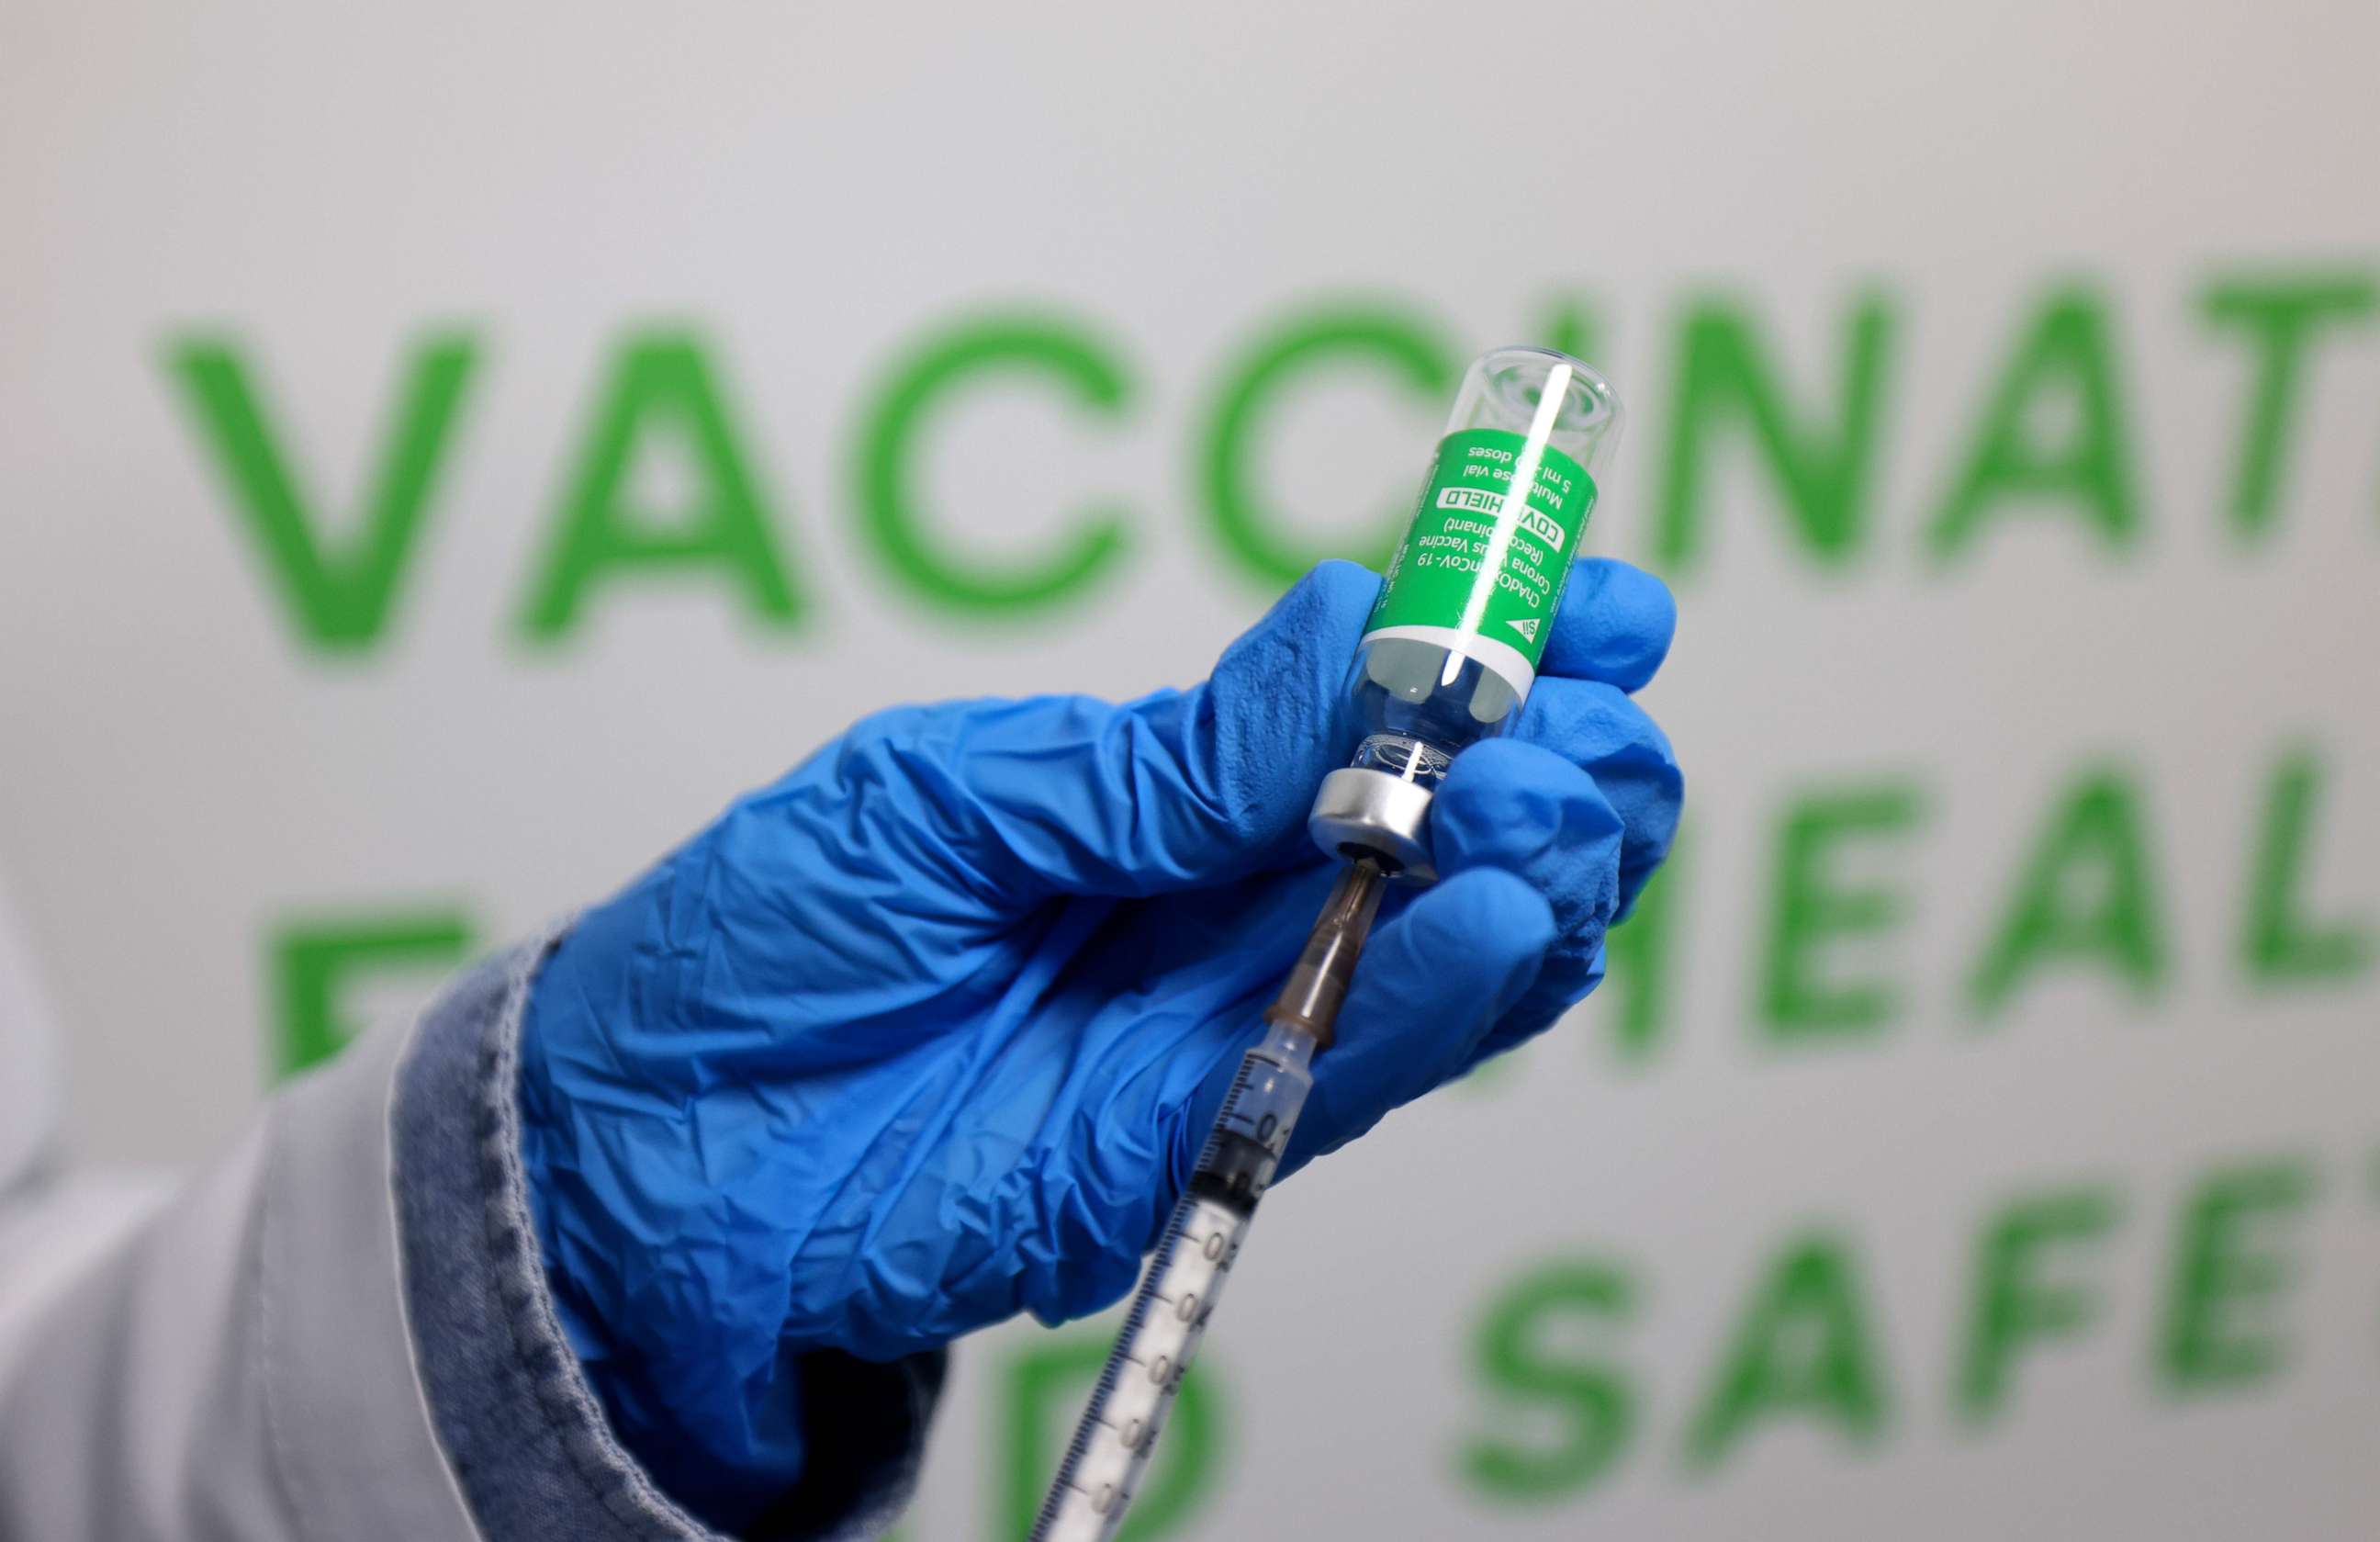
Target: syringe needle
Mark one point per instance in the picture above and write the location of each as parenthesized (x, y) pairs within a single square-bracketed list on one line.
[(1318, 982)]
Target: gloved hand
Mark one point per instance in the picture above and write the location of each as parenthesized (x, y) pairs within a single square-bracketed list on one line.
[(929, 1032)]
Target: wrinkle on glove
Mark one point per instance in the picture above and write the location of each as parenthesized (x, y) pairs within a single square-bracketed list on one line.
[(929, 1033)]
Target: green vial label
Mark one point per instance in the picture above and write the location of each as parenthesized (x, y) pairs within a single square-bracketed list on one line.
[(1480, 571)]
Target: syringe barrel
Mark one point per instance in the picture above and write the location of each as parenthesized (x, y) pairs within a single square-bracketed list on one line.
[(1453, 645), (1110, 1449)]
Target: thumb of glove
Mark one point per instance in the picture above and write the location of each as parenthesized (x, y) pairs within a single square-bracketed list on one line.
[(1180, 789)]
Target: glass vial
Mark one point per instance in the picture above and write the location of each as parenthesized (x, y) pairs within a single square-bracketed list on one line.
[(1464, 613)]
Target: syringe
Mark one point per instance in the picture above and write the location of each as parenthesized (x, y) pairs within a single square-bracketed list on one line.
[(1168, 1318), (1445, 661)]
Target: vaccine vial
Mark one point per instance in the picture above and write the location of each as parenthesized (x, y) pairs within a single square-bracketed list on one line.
[(1467, 605)]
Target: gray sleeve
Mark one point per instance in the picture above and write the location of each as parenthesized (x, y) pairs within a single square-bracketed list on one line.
[(521, 1428), (224, 1356)]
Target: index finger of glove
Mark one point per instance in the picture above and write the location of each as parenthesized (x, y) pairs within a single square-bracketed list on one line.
[(1431, 984), (1538, 815), (1596, 727), (1615, 625)]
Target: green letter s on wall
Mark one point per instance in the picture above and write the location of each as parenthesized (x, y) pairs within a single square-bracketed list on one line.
[(1595, 1402)]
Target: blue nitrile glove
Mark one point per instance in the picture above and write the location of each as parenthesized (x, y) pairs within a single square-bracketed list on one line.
[(929, 1033)]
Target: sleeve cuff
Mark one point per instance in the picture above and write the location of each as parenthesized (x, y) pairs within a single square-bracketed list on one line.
[(522, 1430)]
